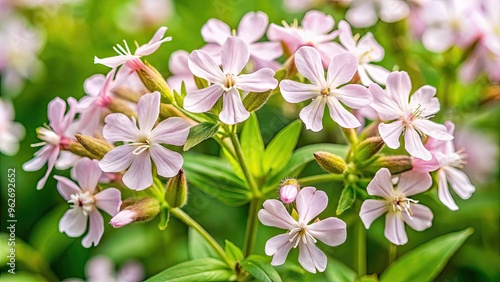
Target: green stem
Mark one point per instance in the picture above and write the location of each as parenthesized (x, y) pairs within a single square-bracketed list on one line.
[(393, 251), (361, 250), (251, 229), (184, 217), (321, 178)]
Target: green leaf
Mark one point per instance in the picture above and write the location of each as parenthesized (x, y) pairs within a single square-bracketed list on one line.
[(254, 101), (337, 271), (200, 133), (252, 145), (425, 262), (179, 97), (260, 268), (280, 149), (202, 269), (200, 82), (198, 246), (164, 218), (346, 200), (234, 254)]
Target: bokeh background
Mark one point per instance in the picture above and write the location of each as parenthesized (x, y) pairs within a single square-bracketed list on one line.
[(71, 33)]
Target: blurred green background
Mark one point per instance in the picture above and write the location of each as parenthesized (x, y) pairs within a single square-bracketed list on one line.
[(75, 33)]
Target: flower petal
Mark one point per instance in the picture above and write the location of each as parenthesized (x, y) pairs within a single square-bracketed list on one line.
[(234, 55), (259, 81), (443, 192), (267, 51), (73, 223), (308, 63), (438, 39), (96, 229), (345, 36), (311, 257), (341, 69), (371, 210), (199, 101), (178, 62), (154, 43), (310, 203), (168, 163), (87, 174), (390, 133), (215, 31), (421, 219), (172, 131), (274, 214), (424, 99), (459, 182), (109, 200), (354, 96), (412, 183), (374, 51), (362, 15), (252, 26), (202, 65), (317, 22), (148, 110), (41, 157), (66, 187), (118, 159), (430, 128), (55, 112), (414, 145), (393, 11), (139, 176), (340, 115), (119, 127), (395, 229), (381, 184), (312, 114), (233, 110), (295, 92), (331, 231), (94, 84), (377, 73), (398, 87), (50, 165), (278, 246), (386, 108), (115, 61)]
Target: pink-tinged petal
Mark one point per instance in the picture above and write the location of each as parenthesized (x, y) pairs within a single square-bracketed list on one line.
[(296, 92), (148, 110), (278, 246), (168, 163), (377, 73), (215, 31), (199, 101), (66, 187), (371, 210), (73, 223), (172, 131), (233, 110), (178, 63), (443, 192), (154, 43), (374, 50), (94, 84), (310, 203), (438, 39), (398, 87), (100, 268), (119, 127), (312, 114), (424, 98), (252, 26), (328, 50), (459, 182), (118, 159), (139, 176), (354, 96), (317, 22), (420, 165), (234, 55), (267, 51), (131, 272), (363, 76), (115, 61), (109, 200), (430, 128), (50, 165), (203, 65), (96, 229), (308, 63), (414, 145), (345, 36), (214, 51), (41, 157), (331, 231), (390, 133), (341, 69), (421, 218), (56, 110), (381, 185), (311, 257), (395, 229), (274, 214), (393, 11), (386, 108), (87, 174), (362, 15), (123, 218), (259, 81), (412, 183), (340, 115)]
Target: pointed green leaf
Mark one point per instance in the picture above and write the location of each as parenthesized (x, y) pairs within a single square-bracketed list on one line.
[(200, 82), (202, 269), (200, 133), (164, 218), (260, 268), (252, 145), (425, 262), (346, 199), (254, 101), (280, 149), (233, 253), (198, 246)]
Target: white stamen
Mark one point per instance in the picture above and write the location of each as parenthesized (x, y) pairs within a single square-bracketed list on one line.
[(84, 201)]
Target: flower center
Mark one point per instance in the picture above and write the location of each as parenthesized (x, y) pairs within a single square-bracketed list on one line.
[(325, 92), (47, 135), (403, 204), (300, 233), (365, 56), (229, 82), (84, 201), (411, 115), (457, 159), (142, 145)]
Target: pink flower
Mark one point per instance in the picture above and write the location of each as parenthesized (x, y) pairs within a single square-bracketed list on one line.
[(142, 144), (54, 136), (125, 55), (366, 50), (325, 91), (85, 202), (398, 207), (310, 203), (412, 117), (313, 32), (102, 269), (481, 60), (123, 218), (226, 82), (252, 27), (10, 132), (363, 13), (178, 65), (288, 193)]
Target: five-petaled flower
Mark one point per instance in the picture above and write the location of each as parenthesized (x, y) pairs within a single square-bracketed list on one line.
[(226, 82), (310, 203), (409, 114), (85, 200), (397, 205), (141, 145), (326, 91)]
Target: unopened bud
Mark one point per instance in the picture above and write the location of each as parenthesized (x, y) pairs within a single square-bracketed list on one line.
[(97, 147), (368, 148), (395, 164), (289, 190), (154, 81), (176, 192), (118, 105), (330, 162), (143, 210), (76, 148)]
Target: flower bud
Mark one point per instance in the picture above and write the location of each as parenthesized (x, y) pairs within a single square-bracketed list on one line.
[(143, 210), (97, 147), (289, 190), (118, 105), (368, 148), (154, 81), (330, 162), (176, 192), (395, 164), (76, 148)]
